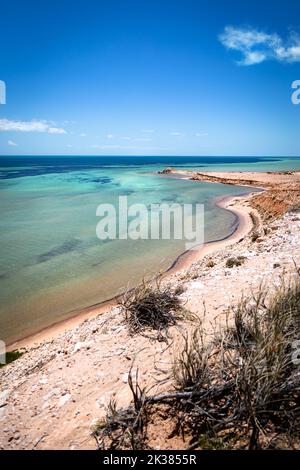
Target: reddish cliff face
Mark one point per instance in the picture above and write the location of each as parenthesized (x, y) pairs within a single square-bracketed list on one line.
[(277, 200), (282, 188)]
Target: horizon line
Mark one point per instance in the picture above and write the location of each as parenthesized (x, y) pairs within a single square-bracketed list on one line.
[(156, 156)]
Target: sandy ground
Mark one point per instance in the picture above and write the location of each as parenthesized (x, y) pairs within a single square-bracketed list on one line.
[(54, 394), (251, 178), (238, 205)]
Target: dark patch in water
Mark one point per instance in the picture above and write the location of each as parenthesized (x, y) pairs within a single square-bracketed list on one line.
[(128, 192), (171, 198), (16, 167), (66, 247), (99, 179), (92, 179)]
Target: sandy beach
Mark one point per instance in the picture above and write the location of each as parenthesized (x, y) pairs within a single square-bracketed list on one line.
[(240, 206), (237, 205), (52, 396), (265, 182)]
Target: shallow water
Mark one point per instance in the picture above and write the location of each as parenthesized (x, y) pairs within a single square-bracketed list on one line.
[(51, 261)]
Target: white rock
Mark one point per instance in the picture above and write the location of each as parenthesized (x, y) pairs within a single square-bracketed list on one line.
[(54, 391), (80, 345), (3, 397), (2, 413), (117, 329), (196, 285), (124, 378), (64, 399)]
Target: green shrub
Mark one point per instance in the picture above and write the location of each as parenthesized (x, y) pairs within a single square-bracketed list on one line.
[(11, 356)]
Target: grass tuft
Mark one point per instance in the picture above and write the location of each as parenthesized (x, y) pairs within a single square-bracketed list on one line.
[(124, 428), (237, 390), (238, 261), (210, 264), (151, 306)]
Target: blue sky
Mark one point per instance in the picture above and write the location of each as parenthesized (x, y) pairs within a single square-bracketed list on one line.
[(149, 77)]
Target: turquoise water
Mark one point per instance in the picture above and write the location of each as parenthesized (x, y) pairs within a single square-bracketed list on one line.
[(52, 263)]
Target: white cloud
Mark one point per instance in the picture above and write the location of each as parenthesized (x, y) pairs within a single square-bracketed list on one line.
[(125, 147), (143, 139), (201, 134), (29, 126), (56, 130), (110, 136), (258, 46), (148, 131), (177, 134), (126, 138), (69, 146), (12, 143), (83, 134)]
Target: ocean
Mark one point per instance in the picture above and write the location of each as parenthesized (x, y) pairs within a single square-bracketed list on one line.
[(51, 261)]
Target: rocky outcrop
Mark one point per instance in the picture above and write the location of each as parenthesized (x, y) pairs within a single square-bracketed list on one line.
[(166, 171)]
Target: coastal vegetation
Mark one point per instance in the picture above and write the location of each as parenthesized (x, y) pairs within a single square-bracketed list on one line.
[(235, 389), (255, 236), (151, 306), (181, 362), (11, 356), (238, 261), (210, 264)]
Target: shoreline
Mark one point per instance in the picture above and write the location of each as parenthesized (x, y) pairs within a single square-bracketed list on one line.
[(50, 383), (242, 227)]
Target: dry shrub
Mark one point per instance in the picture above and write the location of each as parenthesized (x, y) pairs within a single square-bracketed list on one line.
[(151, 305), (252, 387), (238, 261), (254, 236), (190, 369), (210, 264), (124, 428), (238, 390)]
